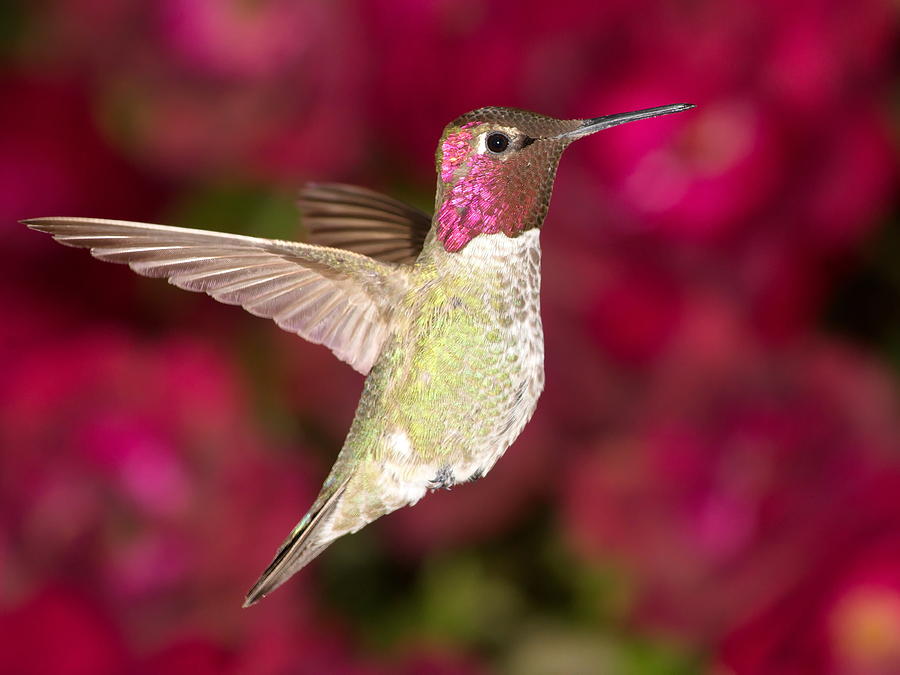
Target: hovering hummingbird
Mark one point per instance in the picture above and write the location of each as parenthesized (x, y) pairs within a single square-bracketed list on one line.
[(440, 312)]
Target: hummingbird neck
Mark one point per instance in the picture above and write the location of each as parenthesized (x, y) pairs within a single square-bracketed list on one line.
[(486, 264), (477, 194), (480, 206)]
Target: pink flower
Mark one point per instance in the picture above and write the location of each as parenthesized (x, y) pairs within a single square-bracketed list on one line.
[(271, 89), (141, 468), (458, 56), (783, 286), (786, 154), (635, 314), (698, 176), (821, 52), (844, 195), (59, 630), (191, 657), (708, 496), (841, 613), (238, 40), (55, 161)]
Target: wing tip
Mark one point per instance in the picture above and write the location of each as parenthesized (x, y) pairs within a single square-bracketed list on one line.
[(52, 223), (37, 223), (252, 598)]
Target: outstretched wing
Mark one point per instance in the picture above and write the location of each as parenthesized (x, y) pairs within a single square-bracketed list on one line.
[(360, 220), (329, 296)]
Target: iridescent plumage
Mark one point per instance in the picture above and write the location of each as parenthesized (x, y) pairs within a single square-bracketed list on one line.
[(441, 313)]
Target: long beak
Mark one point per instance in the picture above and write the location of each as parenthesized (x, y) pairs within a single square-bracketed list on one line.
[(591, 126)]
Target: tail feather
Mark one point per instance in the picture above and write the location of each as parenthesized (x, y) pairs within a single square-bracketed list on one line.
[(298, 549)]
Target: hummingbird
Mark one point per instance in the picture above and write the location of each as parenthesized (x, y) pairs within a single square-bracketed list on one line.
[(441, 313)]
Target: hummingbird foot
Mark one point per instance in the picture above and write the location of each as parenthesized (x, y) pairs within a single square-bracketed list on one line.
[(443, 479)]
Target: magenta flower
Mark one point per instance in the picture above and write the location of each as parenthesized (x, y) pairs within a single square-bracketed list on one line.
[(841, 613), (54, 159), (717, 483), (737, 469), (695, 179), (458, 56), (139, 472), (62, 630), (197, 88), (233, 39), (59, 630), (635, 314)]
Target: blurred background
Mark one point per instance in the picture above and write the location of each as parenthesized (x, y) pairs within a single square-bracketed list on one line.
[(711, 483)]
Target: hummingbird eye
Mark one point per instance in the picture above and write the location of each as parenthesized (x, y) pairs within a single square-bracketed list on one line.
[(497, 142)]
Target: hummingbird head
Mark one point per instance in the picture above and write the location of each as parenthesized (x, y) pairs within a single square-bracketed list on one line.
[(496, 168)]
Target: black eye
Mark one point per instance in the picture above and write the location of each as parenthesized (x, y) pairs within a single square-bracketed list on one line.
[(497, 142)]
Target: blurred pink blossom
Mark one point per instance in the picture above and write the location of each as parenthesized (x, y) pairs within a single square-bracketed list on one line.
[(85, 638), (139, 467), (697, 431), (55, 161), (841, 613), (235, 89), (458, 56), (698, 177), (635, 314), (59, 630), (824, 52), (234, 39), (720, 479)]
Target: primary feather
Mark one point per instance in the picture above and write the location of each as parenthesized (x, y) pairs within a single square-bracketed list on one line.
[(326, 295)]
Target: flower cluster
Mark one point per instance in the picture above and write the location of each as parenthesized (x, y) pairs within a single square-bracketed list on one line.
[(712, 478)]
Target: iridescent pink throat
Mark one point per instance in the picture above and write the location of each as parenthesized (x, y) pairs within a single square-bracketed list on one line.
[(482, 195)]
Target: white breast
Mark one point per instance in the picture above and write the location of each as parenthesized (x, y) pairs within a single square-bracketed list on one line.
[(517, 262)]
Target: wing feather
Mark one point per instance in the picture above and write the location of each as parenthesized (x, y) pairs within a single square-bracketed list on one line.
[(332, 296), (363, 221)]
